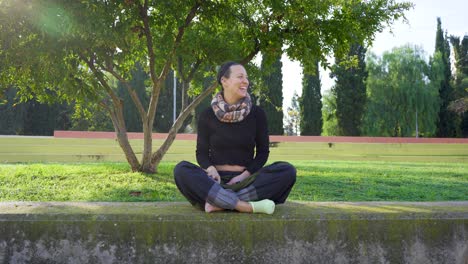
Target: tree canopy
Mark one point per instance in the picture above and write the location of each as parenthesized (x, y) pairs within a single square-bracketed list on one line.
[(55, 50), (403, 95)]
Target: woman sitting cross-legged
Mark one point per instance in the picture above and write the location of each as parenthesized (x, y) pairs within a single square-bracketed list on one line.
[(232, 148)]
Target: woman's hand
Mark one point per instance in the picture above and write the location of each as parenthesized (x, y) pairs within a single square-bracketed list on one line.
[(213, 173), (239, 178)]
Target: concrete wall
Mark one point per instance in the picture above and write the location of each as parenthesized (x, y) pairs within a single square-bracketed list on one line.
[(177, 233)]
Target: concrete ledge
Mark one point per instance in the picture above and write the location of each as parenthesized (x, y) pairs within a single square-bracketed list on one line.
[(365, 232)]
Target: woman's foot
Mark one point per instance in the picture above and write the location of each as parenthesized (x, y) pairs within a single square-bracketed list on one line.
[(211, 208), (264, 206)]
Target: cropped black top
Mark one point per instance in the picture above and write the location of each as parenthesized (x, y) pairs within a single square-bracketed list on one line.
[(220, 143)]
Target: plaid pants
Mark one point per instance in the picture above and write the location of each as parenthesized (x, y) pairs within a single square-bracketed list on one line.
[(272, 182)]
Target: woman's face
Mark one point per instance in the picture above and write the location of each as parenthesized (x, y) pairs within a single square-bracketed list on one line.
[(237, 84)]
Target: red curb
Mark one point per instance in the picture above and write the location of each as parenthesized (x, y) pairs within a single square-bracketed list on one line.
[(368, 139), (133, 135), (111, 135)]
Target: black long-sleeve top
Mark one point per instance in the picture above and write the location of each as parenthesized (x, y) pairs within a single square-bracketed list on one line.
[(220, 143)]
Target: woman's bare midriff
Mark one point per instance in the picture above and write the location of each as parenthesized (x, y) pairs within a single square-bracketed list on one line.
[(229, 167)]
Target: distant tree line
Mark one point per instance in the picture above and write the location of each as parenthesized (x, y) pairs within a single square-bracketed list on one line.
[(397, 94), (400, 94), (35, 118)]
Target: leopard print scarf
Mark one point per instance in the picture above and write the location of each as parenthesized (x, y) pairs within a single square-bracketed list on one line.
[(231, 113)]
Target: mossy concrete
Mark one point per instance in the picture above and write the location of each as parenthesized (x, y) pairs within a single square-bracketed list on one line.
[(298, 232)]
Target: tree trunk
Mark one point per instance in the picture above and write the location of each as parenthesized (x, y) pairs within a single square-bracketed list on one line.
[(159, 154), (122, 137), (147, 149)]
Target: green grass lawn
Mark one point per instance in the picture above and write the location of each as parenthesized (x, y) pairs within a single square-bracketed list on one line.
[(97, 150), (58, 169), (316, 181)]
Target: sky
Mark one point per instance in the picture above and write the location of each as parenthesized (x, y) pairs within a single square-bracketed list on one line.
[(420, 30)]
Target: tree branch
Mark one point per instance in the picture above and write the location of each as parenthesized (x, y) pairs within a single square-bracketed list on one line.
[(194, 70), (252, 54), (122, 139), (131, 91), (186, 79), (157, 82), (157, 156), (101, 80), (117, 116), (117, 102), (149, 40), (111, 114)]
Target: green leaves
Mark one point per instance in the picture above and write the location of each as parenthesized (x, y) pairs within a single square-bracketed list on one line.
[(272, 100), (311, 103), (64, 50), (401, 84), (53, 37)]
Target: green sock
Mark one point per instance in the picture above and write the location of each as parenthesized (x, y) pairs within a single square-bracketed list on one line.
[(264, 206)]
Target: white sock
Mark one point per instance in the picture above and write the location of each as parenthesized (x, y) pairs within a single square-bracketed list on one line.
[(264, 206)]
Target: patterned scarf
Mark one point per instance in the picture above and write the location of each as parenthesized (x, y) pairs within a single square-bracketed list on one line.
[(231, 113)]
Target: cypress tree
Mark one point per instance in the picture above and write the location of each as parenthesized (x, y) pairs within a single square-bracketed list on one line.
[(272, 102), (459, 106), (350, 92), (311, 103), (446, 125)]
